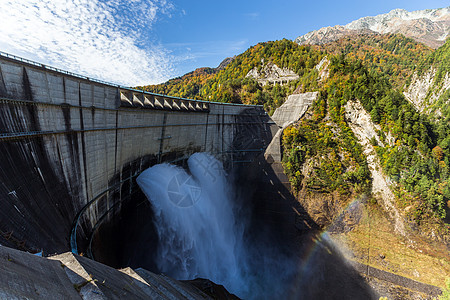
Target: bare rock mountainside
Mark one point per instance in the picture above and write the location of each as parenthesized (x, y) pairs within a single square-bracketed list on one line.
[(430, 26), (423, 94), (271, 73)]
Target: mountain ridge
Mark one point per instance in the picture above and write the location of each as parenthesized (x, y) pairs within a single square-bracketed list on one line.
[(430, 26)]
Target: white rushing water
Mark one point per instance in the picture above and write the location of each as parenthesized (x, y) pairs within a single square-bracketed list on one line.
[(197, 229)]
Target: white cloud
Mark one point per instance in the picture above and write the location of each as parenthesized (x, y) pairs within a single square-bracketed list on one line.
[(108, 40), (252, 16)]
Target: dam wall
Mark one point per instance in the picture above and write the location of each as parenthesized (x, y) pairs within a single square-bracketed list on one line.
[(71, 148)]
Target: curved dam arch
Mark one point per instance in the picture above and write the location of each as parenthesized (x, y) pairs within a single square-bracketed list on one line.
[(72, 146)]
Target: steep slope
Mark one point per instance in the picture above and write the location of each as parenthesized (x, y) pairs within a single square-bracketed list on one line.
[(393, 55), (362, 157), (417, 161), (294, 68), (429, 88), (430, 27), (365, 131), (186, 86)]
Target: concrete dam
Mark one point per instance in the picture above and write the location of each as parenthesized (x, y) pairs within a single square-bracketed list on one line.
[(72, 146)]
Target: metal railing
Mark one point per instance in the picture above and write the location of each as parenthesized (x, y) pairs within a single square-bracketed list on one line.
[(76, 223)]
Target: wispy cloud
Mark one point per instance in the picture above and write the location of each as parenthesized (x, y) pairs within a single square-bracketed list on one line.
[(109, 40), (252, 15)]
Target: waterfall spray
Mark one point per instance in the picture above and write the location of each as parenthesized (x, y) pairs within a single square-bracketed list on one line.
[(197, 230)]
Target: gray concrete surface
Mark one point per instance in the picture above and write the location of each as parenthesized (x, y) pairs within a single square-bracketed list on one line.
[(67, 140), (26, 276), (293, 108), (84, 283), (69, 276), (290, 112)]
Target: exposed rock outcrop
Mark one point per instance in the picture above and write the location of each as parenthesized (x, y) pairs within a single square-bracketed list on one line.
[(423, 93), (225, 63), (271, 73), (328, 34), (322, 68), (364, 129)]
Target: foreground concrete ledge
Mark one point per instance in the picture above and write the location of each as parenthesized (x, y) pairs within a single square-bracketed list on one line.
[(69, 276), (81, 280), (27, 276)]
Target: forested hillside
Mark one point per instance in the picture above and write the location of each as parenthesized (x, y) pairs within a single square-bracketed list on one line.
[(394, 56), (439, 62), (186, 86), (417, 160), (231, 84), (321, 153)]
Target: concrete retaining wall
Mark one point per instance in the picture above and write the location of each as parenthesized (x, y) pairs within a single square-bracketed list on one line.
[(66, 140)]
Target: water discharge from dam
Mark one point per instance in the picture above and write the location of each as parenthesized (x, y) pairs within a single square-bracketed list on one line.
[(199, 229), (204, 231)]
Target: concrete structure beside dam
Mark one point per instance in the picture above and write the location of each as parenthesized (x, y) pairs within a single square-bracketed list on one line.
[(72, 146)]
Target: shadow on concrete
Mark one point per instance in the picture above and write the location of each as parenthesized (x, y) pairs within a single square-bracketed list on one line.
[(129, 239), (126, 236)]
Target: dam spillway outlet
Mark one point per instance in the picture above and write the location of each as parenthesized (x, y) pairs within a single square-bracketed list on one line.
[(198, 233), (201, 230)]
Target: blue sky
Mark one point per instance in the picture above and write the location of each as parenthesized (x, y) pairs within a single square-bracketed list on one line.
[(139, 42), (209, 31)]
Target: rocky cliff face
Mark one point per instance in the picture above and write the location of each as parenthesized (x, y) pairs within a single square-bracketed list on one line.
[(430, 27), (322, 68), (364, 129), (225, 63), (328, 34), (423, 93), (271, 73)]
